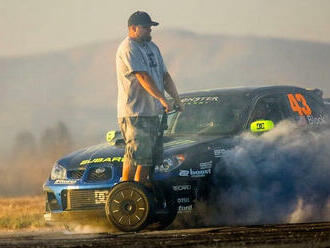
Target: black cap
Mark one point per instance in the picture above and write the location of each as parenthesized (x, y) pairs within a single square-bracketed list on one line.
[(141, 18)]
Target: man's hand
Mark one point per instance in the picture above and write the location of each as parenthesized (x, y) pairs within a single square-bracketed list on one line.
[(170, 88), (166, 105)]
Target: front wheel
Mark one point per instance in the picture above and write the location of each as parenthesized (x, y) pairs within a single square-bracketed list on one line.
[(129, 206)]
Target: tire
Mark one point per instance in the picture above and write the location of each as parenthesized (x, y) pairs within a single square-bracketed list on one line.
[(164, 220), (167, 216), (129, 206)]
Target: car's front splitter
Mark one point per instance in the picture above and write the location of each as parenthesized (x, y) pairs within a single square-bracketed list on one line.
[(83, 217)]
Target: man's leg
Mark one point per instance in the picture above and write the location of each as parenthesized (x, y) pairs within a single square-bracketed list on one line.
[(126, 171), (127, 130), (142, 174)]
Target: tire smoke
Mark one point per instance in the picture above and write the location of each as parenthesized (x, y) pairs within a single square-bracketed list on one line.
[(278, 177)]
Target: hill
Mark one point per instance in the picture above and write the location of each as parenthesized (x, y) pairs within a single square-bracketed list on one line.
[(78, 86)]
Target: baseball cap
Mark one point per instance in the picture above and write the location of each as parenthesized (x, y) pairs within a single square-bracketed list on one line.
[(141, 18)]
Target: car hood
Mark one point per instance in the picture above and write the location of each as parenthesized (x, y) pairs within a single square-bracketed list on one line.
[(113, 154)]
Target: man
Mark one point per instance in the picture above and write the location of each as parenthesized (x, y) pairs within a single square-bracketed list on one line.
[(142, 78)]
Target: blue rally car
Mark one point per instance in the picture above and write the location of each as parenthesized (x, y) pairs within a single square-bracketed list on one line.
[(85, 186)]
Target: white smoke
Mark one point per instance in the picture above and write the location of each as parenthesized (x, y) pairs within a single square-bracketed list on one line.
[(278, 177), (79, 229)]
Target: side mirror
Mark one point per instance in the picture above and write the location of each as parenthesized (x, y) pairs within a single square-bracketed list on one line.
[(261, 126)]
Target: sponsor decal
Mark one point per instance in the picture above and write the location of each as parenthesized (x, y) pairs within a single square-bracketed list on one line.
[(183, 200), (102, 160), (261, 126), (315, 120), (181, 187), (200, 100), (65, 181), (295, 101), (200, 173), (185, 208), (218, 152), (100, 196), (73, 187), (184, 173), (206, 165), (195, 173)]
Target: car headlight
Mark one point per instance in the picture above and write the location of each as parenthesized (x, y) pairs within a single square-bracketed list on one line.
[(58, 172), (170, 163)]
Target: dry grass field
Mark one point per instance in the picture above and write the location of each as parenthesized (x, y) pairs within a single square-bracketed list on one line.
[(22, 213)]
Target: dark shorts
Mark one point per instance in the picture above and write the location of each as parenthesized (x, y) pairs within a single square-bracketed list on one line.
[(141, 137)]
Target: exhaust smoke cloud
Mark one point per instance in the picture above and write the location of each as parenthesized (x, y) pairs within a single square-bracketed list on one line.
[(24, 170), (279, 177)]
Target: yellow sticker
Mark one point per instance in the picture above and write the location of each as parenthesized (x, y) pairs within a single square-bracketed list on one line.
[(111, 135), (261, 126)]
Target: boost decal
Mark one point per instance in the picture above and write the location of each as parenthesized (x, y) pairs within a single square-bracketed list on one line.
[(195, 173), (184, 173), (200, 173)]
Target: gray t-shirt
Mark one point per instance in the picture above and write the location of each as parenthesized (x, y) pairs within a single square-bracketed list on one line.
[(133, 99)]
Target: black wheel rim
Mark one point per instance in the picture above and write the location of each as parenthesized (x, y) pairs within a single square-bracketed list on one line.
[(128, 207)]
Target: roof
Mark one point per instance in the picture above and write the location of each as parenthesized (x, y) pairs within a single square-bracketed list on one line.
[(251, 91)]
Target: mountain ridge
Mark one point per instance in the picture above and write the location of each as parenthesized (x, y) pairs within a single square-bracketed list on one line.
[(78, 85)]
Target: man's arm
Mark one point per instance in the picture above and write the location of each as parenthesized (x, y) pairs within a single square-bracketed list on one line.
[(170, 88), (148, 84)]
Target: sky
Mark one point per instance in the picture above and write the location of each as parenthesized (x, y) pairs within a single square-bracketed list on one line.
[(40, 26)]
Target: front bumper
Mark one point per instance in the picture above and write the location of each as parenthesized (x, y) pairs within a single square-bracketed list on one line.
[(90, 217), (81, 204)]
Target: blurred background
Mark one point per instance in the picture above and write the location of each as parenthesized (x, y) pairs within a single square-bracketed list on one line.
[(57, 65)]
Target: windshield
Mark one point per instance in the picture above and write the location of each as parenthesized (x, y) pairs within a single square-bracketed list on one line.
[(209, 116)]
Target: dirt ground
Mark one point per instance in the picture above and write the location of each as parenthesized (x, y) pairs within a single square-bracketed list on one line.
[(283, 235)]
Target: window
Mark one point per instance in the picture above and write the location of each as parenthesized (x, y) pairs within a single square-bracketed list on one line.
[(210, 115), (269, 108)]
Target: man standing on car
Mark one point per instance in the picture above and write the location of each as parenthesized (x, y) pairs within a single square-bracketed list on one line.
[(142, 78)]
